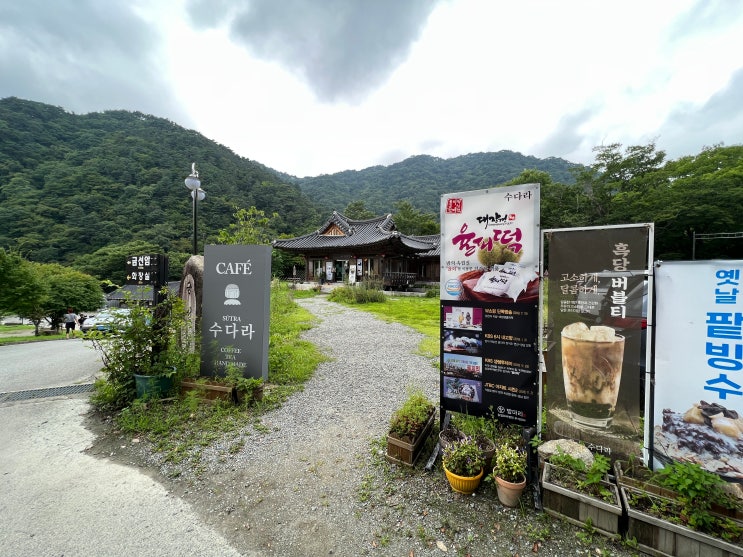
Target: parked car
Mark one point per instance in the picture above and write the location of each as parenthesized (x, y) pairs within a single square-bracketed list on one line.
[(106, 320)]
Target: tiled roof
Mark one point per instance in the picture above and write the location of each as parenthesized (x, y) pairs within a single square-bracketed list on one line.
[(342, 232), (434, 239)]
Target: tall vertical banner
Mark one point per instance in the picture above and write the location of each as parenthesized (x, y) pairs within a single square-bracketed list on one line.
[(698, 415), (235, 310), (490, 254), (596, 342)]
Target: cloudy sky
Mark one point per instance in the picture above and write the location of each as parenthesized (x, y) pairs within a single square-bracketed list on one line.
[(319, 86)]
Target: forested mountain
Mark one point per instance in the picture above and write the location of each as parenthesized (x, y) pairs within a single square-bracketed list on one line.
[(421, 180), (72, 184), (86, 190)]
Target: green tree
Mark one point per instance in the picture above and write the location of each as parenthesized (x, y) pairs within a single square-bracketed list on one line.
[(253, 227), (357, 210), (614, 173), (65, 288), (23, 291), (414, 222), (109, 262)]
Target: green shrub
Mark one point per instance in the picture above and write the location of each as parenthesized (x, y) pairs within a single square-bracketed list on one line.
[(361, 293), (509, 463), (149, 341)]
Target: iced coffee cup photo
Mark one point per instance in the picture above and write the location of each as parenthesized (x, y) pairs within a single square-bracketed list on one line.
[(592, 371)]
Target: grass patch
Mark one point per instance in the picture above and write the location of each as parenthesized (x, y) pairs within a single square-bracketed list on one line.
[(23, 339), (311, 293), (421, 314), (4, 329)]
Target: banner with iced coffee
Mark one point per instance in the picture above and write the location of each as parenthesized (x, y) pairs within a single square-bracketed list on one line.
[(698, 411), (490, 254), (596, 336)]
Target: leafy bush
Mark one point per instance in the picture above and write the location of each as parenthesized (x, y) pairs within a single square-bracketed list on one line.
[(488, 426), (574, 473), (148, 341), (362, 293), (697, 489)]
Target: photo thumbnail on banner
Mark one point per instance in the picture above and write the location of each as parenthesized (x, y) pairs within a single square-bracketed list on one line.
[(596, 336), (698, 413), (490, 303)]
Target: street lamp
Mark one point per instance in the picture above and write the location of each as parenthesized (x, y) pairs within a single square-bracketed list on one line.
[(197, 194)]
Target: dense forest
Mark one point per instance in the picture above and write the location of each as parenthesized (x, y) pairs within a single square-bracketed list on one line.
[(74, 184), (86, 190), (421, 180)]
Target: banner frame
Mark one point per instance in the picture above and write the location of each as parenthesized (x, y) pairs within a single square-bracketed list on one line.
[(650, 340)]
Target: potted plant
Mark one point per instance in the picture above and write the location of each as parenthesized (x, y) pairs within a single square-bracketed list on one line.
[(582, 494), (449, 435), (481, 428), (464, 465), (683, 508), (509, 471), (410, 426)]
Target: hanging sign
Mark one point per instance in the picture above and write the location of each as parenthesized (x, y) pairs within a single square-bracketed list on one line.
[(146, 269)]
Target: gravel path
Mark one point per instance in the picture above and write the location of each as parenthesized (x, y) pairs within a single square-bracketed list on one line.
[(311, 478)]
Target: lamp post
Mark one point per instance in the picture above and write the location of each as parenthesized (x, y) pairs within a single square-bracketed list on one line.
[(197, 194)]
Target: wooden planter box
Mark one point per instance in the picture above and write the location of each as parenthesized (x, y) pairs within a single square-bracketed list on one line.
[(401, 452), (637, 479), (578, 508), (661, 538), (211, 390)]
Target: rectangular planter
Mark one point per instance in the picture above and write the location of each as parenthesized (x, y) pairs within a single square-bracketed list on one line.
[(400, 452), (661, 538), (211, 390), (577, 508), (638, 480)]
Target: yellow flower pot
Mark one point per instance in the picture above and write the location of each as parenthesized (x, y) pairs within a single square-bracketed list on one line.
[(464, 484)]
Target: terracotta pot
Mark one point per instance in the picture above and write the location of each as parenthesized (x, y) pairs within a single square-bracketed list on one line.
[(509, 493), (464, 484)]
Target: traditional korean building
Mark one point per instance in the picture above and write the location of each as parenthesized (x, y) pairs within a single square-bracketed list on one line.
[(347, 250)]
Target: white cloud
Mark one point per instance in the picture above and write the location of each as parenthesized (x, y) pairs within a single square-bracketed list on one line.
[(310, 88)]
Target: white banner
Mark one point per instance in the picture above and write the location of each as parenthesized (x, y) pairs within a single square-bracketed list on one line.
[(490, 244), (698, 414)]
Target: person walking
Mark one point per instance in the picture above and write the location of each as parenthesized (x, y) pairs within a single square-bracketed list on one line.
[(70, 320)]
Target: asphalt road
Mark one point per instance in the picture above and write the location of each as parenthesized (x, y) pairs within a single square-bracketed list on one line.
[(56, 500), (55, 363)]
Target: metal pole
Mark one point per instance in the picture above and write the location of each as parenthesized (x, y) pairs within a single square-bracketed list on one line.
[(195, 195), (693, 245)]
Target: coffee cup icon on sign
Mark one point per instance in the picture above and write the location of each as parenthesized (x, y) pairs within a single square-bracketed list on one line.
[(231, 294)]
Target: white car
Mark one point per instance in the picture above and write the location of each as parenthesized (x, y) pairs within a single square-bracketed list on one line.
[(106, 320)]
